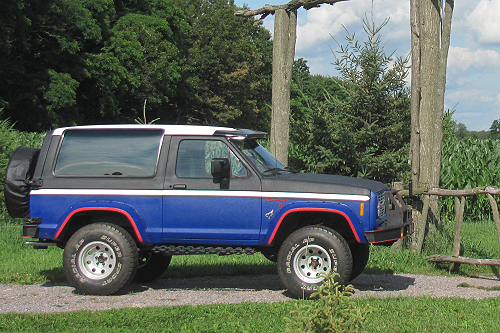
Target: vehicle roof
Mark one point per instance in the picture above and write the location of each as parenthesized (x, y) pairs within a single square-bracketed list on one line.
[(171, 130)]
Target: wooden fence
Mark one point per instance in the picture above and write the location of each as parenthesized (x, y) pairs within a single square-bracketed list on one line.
[(460, 198)]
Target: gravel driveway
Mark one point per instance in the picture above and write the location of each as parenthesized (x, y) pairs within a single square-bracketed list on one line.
[(211, 290)]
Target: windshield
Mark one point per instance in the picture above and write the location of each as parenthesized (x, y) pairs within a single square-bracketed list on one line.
[(259, 157)]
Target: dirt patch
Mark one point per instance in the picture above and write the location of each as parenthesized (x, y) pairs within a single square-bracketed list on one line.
[(211, 290)]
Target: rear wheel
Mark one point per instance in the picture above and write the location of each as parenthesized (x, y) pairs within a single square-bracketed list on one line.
[(308, 254), (100, 259), (151, 266)]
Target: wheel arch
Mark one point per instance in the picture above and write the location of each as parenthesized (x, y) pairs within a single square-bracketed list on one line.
[(83, 216), (297, 218)]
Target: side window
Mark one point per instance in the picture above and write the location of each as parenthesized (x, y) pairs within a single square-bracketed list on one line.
[(109, 153), (194, 158)]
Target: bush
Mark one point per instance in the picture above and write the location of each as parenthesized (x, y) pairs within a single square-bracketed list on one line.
[(333, 311)]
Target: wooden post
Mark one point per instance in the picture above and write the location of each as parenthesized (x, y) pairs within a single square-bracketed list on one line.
[(459, 217), (285, 25), (422, 224), (496, 217)]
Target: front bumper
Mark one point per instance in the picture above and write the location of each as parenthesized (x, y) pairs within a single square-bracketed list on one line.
[(398, 224)]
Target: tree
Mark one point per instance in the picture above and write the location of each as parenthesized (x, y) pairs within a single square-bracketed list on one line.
[(141, 60), (495, 130), (226, 75), (430, 35), (357, 125), (42, 64), (461, 131), (67, 62), (285, 26)]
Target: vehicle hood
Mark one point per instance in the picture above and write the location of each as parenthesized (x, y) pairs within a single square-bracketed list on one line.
[(320, 183)]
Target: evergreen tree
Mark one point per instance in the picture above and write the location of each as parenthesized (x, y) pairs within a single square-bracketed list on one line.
[(363, 129)]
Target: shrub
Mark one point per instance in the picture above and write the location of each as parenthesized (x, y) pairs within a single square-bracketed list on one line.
[(332, 311)]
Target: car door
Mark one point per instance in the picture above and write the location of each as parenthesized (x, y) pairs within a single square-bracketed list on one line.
[(200, 208)]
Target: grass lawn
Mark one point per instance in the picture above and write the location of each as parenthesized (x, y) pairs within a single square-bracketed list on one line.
[(421, 314), (25, 265)]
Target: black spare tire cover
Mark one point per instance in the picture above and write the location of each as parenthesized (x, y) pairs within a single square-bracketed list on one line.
[(19, 171)]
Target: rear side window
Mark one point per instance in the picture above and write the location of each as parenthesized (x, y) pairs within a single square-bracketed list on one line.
[(109, 153)]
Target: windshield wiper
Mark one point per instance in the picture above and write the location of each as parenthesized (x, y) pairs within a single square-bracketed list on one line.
[(276, 170)]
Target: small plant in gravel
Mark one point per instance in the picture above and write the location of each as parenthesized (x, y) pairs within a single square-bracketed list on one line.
[(332, 310)]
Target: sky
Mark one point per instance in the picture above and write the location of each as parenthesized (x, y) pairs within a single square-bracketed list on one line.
[(473, 74)]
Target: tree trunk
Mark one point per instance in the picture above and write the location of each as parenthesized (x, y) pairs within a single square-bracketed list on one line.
[(414, 159), (430, 142), (415, 92), (430, 45), (285, 23)]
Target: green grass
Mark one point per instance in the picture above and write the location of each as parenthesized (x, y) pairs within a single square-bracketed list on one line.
[(420, 314), (479, 240), (24, 265)]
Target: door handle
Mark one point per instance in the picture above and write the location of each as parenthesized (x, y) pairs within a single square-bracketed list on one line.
[(179, 186)]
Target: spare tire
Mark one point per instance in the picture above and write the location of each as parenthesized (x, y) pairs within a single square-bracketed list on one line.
[(17, 176)]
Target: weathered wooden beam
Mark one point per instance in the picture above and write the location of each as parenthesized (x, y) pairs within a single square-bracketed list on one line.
[(463, 260), (292, 5), (453, 193)]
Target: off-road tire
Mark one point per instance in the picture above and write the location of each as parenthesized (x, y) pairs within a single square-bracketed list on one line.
[(151, 266), (18, 173), (270, 253), (100, 259), (309, 253)]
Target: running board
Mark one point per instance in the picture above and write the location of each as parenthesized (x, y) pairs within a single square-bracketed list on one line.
[(169, 250)]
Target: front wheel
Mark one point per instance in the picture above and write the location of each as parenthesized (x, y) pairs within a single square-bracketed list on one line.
[(100, 259), (360, 255), (308, 254)]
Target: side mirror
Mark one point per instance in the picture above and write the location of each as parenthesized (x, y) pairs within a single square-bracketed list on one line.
[(221, 168)]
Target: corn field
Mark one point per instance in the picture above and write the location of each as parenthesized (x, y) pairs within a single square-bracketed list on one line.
[(469, 163)]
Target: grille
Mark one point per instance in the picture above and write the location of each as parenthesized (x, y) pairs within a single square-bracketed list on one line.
[(381, 204)]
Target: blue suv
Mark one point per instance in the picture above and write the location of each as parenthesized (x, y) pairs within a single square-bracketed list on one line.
[(122, 199)]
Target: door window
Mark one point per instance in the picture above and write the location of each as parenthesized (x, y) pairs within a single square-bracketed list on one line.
[(194, 158)]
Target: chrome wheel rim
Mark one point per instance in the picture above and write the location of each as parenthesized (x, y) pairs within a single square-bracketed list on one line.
[(97, 260), (311, 263)]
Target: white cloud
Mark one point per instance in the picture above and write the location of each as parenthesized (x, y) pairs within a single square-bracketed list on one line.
[(463, 81), (461, 59), (472, 94), (321, 23), (398, 11), (484, 21), (474, 97)]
